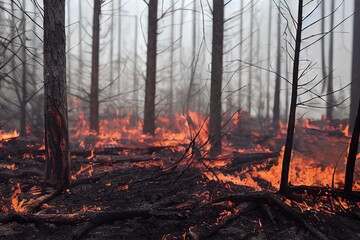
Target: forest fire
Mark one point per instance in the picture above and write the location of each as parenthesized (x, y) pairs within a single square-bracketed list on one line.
[(166, 136)]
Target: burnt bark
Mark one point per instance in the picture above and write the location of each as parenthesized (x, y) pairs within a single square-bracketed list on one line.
[(24, 74), (276, 107), (250, 57), (216, 76), (330, 87), (355, 84), (292, 116), (269, 63), (150, 83), (94, 94), (354, 144), (55, 112)]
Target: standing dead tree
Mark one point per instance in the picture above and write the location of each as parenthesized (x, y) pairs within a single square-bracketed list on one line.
[(55, 111), (150, 83), (292, 116), (216, 76), (94, 92), (355, 84)]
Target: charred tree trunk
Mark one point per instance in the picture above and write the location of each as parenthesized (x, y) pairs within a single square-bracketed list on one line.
[(150, 83), (111, 77), (55, 111), (355, 84), (330, 87), (292, 116), (119, 48), (216, 76), (269, 63), (136, 81), (250, 57), (68, 45), (240, 52), (171, 100), (24, 73), (276, 107), (94, 94), (323, 60), (354, 144), (81, 71), (193, 62)]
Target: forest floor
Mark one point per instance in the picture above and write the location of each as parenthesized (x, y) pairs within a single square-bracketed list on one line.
[(142, 193)]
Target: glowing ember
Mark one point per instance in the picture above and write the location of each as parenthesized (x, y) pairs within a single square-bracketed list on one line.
[(6, 136)]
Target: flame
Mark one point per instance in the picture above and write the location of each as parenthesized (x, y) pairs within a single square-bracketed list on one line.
[(15, 204), (6, 136)]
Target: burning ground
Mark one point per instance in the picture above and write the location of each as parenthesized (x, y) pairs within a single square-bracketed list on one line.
[(126, 185)]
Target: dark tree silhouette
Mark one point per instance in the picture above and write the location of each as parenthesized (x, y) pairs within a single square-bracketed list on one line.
[(354, 144), (292, 116), (55, 111), (150, 83), (94, 92), (355, 84), (276, 107), (216, 76)]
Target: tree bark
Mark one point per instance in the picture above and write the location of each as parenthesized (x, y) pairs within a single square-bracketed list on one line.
[(269, 63), (150, 83), (330, 87), (250, 57), (171, 96), (240, 52), (276, 107), (355, 84), (216, 76), (292, 116), (24, 73), (94, 94), (55, 112), (354, 144)]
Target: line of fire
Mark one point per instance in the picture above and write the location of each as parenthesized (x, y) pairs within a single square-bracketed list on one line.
[(179, 119)]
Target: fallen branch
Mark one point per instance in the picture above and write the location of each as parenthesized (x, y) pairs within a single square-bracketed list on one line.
[(269, 198)]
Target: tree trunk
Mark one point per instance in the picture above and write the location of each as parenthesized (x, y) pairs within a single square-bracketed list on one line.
[(81, 71), (216, 76), (250, 57), (69, 45), (330, 87), (119, 48), (150, 83), (193, 62), (24, 73), (292, 116), (94, 94), (240, 52), (323, 60), (111, 77), (276, 107), (355, 84), (55, 111), (171, 96), (354, 144), (136, 81), (269, 64)]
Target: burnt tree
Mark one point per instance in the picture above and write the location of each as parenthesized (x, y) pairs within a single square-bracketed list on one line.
[(276, 107), (330, 79), (216, 76), (94, 92), (150, 82), (354, 144), (355, 84), (55, 110), (292, 116)]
